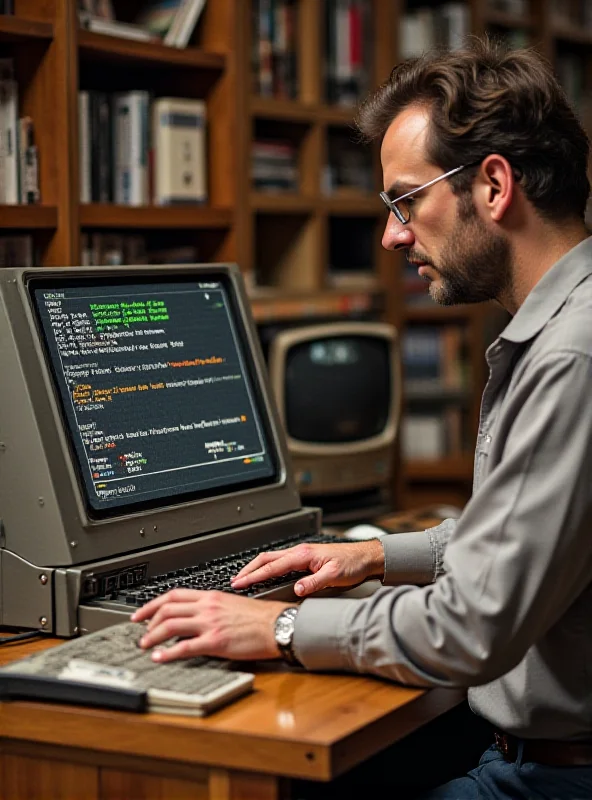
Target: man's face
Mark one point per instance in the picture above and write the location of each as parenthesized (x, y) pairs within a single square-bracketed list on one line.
[(464, 260)]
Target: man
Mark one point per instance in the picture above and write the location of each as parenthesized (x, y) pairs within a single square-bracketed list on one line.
[(484, 168)]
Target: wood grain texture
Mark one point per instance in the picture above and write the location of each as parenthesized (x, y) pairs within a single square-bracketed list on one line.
[(109, 215), (17, 29), (29, 217), (114, 49), (30, 778), (120, 785), (293, 724)]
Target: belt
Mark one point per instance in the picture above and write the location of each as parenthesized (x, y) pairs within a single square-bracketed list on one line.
[(549, 752)]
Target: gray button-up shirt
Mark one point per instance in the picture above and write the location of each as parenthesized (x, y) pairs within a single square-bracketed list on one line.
[(507, 605)]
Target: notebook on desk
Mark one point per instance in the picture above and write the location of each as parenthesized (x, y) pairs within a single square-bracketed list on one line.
[(141, 416), (108, 669)]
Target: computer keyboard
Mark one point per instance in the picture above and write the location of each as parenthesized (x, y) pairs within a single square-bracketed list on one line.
[(215, 574), (112, 659)]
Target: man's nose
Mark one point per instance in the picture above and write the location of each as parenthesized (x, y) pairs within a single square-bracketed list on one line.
[(397, 236)]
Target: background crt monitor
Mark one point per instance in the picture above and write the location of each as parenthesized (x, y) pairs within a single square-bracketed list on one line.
[(337, 384), (155, 387)]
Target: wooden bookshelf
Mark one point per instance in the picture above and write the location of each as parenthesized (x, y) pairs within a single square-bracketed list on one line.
[(16, 29), (108, 48), (28, 217), (110, 215), (281, 240)]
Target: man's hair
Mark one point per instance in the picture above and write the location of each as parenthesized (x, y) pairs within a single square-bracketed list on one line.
[(484, 99)]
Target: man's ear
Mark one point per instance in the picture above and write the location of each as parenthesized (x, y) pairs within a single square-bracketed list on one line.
[(496, 185)]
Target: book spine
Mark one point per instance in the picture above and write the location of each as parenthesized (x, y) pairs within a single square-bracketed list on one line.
[(84, 147), (9, 123), (122, 180), (28, 163)]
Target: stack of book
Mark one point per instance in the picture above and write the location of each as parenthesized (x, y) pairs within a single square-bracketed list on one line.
[(435, 386), (19, 173), (446, 26), (274, 166), (136, 151), (274, 49), (112, 249), (172, 21), (347, 50)]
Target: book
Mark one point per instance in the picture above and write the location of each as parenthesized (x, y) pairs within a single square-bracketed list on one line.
[(157, 17), (28, 163), (125, 30), (9, 188), (179, 155), (185, 20), (130, 147)]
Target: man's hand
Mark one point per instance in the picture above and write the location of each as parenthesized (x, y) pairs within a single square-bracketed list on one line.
[(217, 624), (347, 564)]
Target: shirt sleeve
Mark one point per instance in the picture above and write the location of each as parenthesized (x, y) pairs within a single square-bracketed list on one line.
[(416, 557), (520, 555)]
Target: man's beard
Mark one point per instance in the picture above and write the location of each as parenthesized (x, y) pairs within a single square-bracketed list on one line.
[(475, 265)]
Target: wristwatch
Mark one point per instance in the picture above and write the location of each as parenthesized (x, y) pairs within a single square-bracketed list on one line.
[(284, 634)]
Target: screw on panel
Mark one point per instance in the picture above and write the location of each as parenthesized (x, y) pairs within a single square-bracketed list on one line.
[(142, 531), (43, 622), (155, 528), (239, 509), (41, 501), (73, 544), (43, 579)]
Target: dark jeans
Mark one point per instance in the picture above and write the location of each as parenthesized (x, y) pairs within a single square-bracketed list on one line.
[(438, 762), (496, 779)]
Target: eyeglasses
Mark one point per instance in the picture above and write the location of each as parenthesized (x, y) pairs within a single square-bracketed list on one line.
[(401, 208)]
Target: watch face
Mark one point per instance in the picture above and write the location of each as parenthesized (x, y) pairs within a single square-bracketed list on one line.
[(284, 630)]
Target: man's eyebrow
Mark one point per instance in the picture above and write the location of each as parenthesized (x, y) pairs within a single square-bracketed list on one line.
[(399, 188)]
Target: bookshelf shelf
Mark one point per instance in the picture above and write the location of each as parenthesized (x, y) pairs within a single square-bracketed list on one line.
[(442, 469), (111, 48), (28, 217), (282, 203), (571, 34), (337, 115), (17, 29), (286, 110), (293, 111), (104, 215), (505, 20)]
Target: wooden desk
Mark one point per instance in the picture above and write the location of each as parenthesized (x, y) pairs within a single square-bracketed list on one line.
[(293, 725)]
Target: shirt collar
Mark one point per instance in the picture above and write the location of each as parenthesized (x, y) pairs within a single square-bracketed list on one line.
[(550, 293)]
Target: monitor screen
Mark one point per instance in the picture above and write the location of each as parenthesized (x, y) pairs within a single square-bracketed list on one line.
[(337, 388), (156, 389)]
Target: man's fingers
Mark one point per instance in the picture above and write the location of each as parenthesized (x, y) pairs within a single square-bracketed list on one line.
[(174, 596), (272, 569), (258, 562), (325, 577), (169, 610), (167, 629), (188, 648)]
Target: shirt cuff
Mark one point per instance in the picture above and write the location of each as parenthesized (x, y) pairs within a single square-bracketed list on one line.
[(321, 634), (408, 558)]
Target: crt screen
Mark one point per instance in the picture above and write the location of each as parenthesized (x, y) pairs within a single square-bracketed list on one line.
[(337, 389), (156, 390)]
